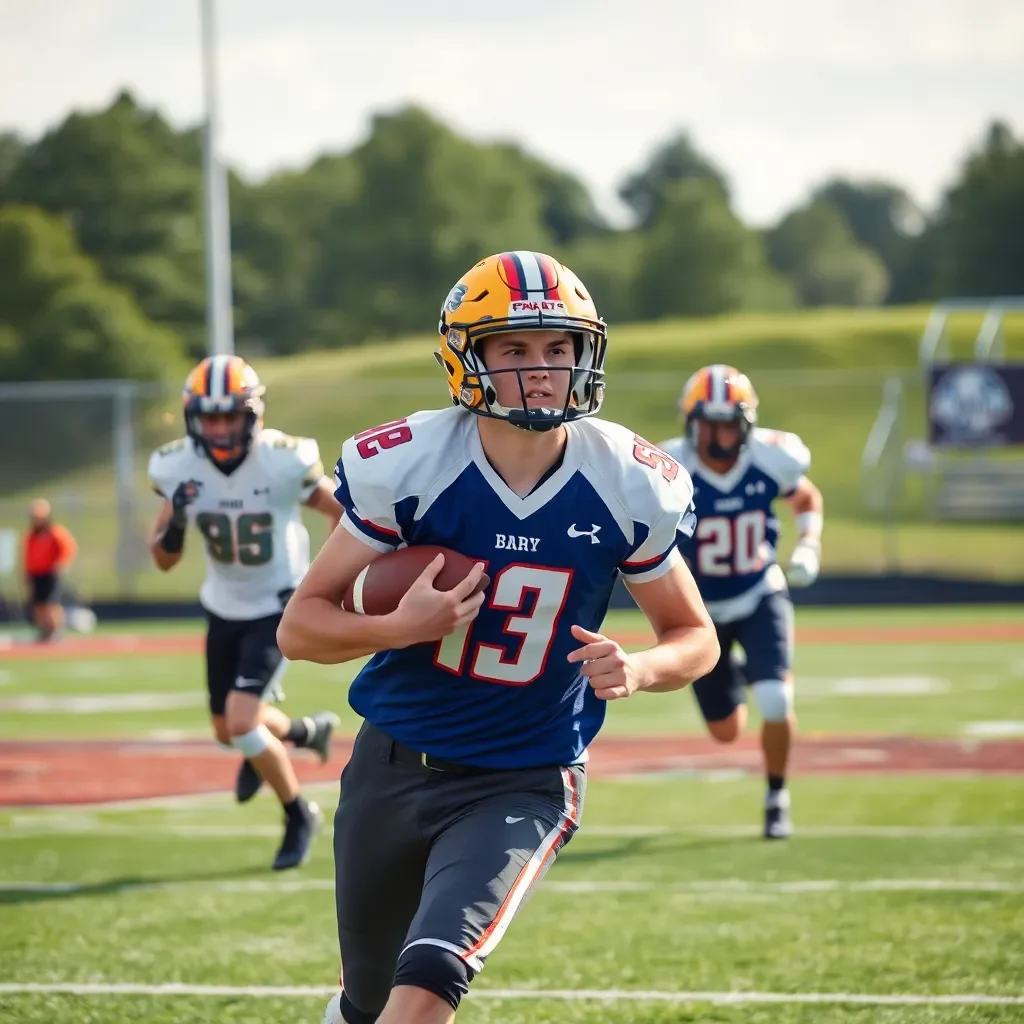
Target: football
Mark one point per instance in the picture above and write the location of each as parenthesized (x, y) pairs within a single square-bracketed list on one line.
[(383, 583)]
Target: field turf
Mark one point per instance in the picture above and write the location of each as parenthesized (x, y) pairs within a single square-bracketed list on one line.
[(901, 899)]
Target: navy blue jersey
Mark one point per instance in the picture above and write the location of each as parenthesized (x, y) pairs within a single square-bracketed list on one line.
[(732, 552), (501, 693)]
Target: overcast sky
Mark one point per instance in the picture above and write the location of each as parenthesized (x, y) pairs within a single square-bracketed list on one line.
[(781, 93)]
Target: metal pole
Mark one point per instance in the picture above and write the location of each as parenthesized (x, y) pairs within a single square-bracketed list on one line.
[(124, 473), (215, 195), (894, 474)]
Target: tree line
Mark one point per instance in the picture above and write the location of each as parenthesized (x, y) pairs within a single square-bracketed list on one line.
[(101, 239)]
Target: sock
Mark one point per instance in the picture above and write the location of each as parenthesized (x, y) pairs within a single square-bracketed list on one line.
[(777, 795), (296, 810), (301, 731), (351, 1015)]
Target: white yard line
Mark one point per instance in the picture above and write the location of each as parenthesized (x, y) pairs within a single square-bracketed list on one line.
[(77, 821), (184, 800), (574, 995), (740, 886), (99, 703), (717, 887)]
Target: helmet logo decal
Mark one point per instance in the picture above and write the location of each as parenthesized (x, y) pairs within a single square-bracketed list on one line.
[(455, 297)]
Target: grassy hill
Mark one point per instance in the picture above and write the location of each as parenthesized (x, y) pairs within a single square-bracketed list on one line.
[(819, 373)]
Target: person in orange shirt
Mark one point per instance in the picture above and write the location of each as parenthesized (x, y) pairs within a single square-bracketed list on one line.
[(49, 549)]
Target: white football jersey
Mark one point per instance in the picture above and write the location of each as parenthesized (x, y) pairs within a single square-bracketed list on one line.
[(256, 545)]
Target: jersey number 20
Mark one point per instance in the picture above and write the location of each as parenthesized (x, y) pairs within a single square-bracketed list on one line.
[(523, 659), (731, 546)]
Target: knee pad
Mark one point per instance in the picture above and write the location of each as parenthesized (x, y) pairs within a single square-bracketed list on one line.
[(436, 969), (253, 743), (774, 699)]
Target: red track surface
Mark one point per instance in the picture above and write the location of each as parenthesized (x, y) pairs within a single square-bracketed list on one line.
[(90, 772), (87, 772)]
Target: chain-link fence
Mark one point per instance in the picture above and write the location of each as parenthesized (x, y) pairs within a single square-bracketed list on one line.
[(85, 446)]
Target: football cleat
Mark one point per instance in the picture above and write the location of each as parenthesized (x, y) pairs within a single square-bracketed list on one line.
[(332, 1014), (247, 783), (777, 821), (298, 838), (326, 722)]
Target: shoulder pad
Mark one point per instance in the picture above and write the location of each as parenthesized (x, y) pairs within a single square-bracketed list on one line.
[(783, 456), (407, 458), (168, 465), (406, 455), (177, 445), (293, 460), (644, 479)]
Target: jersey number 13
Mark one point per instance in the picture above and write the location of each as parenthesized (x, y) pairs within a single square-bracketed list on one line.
[(522, 659)]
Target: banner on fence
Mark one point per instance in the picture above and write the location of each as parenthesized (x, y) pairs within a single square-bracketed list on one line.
[(976, 405)]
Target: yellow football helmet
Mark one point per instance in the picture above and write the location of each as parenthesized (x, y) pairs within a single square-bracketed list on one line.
[(719, 394), (223, 384), (520, 291)]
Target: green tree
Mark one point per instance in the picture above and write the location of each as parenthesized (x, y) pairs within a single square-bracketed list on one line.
[(698, 258), (277, 234), (678, 159), (132, 188), (815, 247), (12, 151), (427, 206), (979, 231), (881, 215), (566, 207), (608, 265), (60, 320)]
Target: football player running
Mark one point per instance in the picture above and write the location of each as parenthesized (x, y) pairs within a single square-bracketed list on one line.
[(739, 470), (241, 485), (479, 708)]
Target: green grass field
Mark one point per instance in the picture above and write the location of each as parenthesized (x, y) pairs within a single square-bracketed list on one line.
[(898, 887), (931, 689), (819, 373)]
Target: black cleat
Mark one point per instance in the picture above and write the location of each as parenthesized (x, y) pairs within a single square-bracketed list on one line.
[(298, 838), (248, 782), (777, 822), (326, 722)]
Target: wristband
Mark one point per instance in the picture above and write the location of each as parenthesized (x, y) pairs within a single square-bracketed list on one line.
[(172, 540), (810, 525)]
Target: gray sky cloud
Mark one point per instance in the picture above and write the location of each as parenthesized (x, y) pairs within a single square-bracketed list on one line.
[(780, 94)]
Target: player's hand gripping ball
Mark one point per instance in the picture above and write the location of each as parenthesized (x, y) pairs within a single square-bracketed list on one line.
[(436, 590)]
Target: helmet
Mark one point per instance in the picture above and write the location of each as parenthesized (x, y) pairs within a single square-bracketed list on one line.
[(719, 394), (223, 384), (520, 291)]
